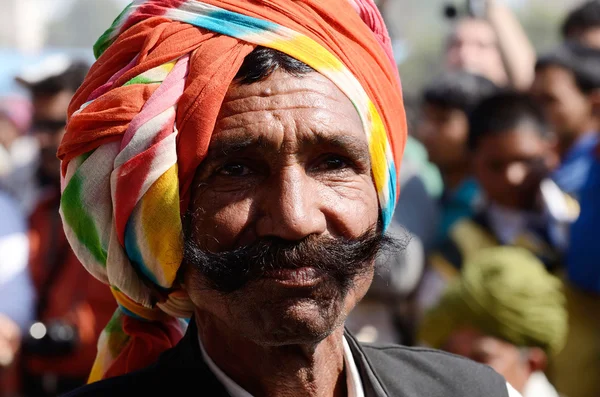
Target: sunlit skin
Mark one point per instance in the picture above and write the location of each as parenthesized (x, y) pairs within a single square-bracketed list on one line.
[(510, 165), (473, 47), (514, 363), (289, 159)]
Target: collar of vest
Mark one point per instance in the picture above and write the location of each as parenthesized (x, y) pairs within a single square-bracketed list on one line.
[(187, 354)]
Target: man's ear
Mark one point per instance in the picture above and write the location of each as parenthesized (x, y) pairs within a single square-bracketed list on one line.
[(537, 359)]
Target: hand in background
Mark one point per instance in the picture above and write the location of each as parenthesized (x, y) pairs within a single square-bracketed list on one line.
[(10, 340)]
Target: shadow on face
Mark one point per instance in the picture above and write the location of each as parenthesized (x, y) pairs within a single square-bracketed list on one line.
[(444, 132), (566, 107), (510, 166), (588, 37), (288, 160), (514, 363)]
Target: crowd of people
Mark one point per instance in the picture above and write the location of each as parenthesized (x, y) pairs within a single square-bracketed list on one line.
[(504, 152), (499, 213)]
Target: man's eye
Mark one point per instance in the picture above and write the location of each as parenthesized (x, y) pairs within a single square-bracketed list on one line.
[(332, 163), (234, 169)]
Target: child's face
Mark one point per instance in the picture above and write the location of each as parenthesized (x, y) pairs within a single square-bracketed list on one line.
[(444, 131), (510, 166)]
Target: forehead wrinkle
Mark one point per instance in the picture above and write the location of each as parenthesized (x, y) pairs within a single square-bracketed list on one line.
[(284, 101), (302, 115)]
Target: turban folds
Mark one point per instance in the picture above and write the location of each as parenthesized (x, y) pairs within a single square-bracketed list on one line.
[(142, 122), (505, 292)]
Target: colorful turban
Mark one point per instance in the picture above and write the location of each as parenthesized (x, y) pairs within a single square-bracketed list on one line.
[(505, 292), (142, 122)]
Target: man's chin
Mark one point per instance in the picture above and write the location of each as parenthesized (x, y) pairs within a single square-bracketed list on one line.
[(295, 320)]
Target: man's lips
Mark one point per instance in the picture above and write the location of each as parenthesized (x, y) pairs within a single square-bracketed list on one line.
[(300, 277)]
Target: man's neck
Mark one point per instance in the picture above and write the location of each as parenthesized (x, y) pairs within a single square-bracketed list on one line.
[(294, 370)]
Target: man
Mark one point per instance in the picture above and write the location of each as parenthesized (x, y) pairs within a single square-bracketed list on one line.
[(574, 372), (567, 84), (444, 130), (71, 307), (51, 84), (269, 162), (583, 24), (505, 311), (493, 44), (16, 290), (512, 152)]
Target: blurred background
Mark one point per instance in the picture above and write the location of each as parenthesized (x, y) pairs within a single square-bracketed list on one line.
[(30, 29)]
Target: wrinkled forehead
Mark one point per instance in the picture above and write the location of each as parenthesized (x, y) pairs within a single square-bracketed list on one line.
[(307, 103)]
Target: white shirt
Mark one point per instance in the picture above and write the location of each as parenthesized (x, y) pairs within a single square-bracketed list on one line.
[(353, 381), (539, 386)]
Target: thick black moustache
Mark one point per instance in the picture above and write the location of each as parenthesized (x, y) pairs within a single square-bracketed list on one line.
[(342, 259)]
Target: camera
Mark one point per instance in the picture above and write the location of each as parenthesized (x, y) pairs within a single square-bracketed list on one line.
[(473, 8), (51, 339)]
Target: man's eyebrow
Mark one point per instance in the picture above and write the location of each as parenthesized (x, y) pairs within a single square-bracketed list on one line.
[(225, 147), (351, 144)]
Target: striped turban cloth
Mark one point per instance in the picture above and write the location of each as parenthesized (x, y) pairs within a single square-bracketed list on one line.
[(142, 122)]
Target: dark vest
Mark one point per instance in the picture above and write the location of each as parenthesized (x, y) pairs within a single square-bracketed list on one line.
[(385, 371)]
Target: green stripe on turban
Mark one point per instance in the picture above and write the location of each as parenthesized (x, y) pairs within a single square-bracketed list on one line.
[(504, 292)]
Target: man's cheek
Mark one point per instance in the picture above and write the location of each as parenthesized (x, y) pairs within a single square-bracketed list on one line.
[(218, 225), (355, 205)]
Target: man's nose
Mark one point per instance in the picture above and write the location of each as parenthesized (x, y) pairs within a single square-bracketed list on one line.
[(291, 208)]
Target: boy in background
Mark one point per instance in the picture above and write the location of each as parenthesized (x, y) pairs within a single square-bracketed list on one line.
[(567, 85), (444, 130), (512, 152)]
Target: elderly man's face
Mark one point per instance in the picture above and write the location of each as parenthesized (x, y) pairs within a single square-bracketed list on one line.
[(289, 164)]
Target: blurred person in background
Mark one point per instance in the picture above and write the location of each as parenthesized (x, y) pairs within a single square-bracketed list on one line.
[(567, 84), (491, 42), (512, 150), (17, 173), (17, 294), (505, 311), (444, 129), (576, 371), (57, 352), (385, 314), (583, 24), (51, 84), (19, 152)]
